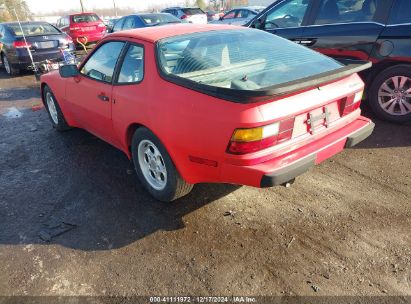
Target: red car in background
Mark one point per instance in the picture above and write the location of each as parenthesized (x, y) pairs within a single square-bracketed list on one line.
[(86, 28), (210, 103)]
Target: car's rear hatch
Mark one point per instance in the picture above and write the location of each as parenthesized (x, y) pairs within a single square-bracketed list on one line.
[(86, 24), (195, 15)]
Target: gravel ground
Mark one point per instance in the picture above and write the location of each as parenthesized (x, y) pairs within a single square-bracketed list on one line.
[(342, 229)]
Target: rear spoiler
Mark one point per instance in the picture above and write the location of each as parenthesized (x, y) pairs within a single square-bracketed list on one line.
[(251, 96)]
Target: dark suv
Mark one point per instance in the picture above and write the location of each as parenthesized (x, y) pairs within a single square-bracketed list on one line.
[(375, 30)]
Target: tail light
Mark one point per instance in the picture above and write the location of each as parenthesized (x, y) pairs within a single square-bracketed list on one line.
[(184, 17), (67, 40), (246, 141), (21, 44), (350, 103)]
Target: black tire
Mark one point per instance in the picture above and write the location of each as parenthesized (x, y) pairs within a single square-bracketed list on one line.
[(61, 124), (379, 80), (12, 71), (176, 186)]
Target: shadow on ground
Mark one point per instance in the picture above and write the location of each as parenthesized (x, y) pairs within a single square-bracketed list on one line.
[(56, 181)]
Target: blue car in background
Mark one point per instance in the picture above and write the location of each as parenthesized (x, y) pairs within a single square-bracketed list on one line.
[(143, 20)]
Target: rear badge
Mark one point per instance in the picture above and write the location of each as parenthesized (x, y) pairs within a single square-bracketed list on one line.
[(313, 119)]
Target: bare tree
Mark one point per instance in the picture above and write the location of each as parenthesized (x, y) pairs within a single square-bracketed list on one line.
[(10, 7)]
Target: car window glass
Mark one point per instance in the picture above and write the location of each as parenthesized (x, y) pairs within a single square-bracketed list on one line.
[(287, 14), (343, 11), (101, 64), (118, 25), (132, 69), (243, 14), (85, 18), (239, 59), (401, 12), (229, 15), (129, 23)]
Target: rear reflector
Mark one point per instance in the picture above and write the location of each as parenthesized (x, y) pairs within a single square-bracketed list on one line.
[(21, 44), (203, 161)]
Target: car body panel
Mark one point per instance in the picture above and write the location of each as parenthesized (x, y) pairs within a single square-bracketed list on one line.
[(175, 114)]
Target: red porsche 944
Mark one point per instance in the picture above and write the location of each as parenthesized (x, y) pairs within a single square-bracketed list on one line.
[(210, 103)]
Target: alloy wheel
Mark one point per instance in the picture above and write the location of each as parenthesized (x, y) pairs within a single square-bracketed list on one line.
[(152, 164), (394, 95), (52, 108)]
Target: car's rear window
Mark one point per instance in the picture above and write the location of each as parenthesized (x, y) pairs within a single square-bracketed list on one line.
[(159, 19), (34, 29), (192, 11), (245, 59), (85, 18)]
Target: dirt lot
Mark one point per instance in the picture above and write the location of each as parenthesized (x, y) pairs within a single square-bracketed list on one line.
[(341, 229)]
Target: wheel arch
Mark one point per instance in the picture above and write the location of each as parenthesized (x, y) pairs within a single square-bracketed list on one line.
[(133, 127), (379, 67)]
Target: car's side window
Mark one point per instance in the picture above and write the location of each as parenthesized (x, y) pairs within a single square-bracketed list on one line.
[(243, 14), (132, 68), (118, 25), (289, 13), (401, 12), (101, 64), (230, 15), (129, 23), (345, 11)]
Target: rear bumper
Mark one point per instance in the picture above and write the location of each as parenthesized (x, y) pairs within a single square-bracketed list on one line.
[(91, 37), (24, 62), (287, 167)]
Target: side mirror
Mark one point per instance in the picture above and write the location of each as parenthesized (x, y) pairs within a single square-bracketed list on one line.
[(258, 24), (68, 70)]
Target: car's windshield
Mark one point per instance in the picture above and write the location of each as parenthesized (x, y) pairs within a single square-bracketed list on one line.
[(34, 29), (159, 18), (244, 59), (85, 18)]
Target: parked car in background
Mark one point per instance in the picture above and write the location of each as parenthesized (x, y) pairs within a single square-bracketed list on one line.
[(240, 15), (188, 14), (374, 30), (110, 24), (212, 16), (235, 105), (143, 20), (84, 27), (43, 40)]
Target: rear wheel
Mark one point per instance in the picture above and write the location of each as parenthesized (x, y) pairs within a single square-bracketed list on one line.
[(155, 168), (390, 94), (10, 70), (56, 116)]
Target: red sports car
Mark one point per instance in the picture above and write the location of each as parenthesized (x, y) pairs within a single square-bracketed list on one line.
[(210, 103)]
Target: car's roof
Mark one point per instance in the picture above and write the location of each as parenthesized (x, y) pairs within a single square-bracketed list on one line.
[(79, 14), (147, 14), (153, 34)]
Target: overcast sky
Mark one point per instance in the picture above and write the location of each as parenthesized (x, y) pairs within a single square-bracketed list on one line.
[(47, 6)]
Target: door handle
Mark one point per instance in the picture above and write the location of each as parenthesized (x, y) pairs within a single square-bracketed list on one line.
[(306, 41), (103, 97)]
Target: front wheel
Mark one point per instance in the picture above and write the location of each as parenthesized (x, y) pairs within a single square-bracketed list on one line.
[(56, 115), (390, 94), (155, 168)]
